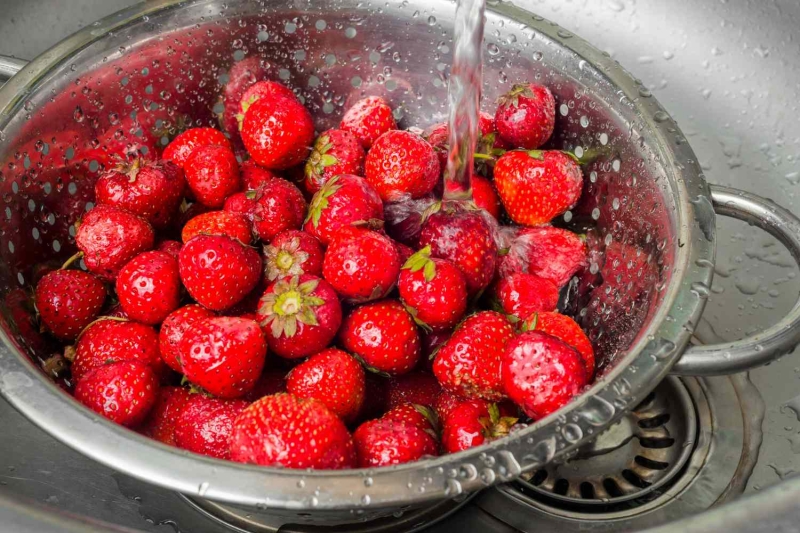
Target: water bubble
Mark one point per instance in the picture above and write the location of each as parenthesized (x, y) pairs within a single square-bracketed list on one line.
[(661, 116), (452, 487), (493, 49)]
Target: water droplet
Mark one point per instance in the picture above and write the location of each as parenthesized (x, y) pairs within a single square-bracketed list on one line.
[(493, 49), (365, 499), (202, 489), (368, 482), (488, 476), (431, 20), (661, 116), (452, 487), (598, 411), (701, 290), (572, 433)]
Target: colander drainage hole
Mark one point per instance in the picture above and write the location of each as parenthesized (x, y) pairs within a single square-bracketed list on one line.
[(539, 477), (587, 491), (612, 488), (632, 478), (657, 443), (561, 487), (650, 463), (654, 422)]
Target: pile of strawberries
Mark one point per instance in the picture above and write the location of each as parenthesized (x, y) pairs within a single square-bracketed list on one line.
[(271, 298)]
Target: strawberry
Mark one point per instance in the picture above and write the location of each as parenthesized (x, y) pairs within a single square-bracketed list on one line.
[(270, 382), (173, 329), (274, 207), (179, 150), (417, 415), (292, 253), (266, 89), (537, 186), (277, 132), (567, 330), (124, 391), (485, 197), (335, 152), (541, 373), (431, 342), (223, 355), (300, 315), (170, 247), (368, 119), (253, 176), (404, 218), (342, 201), (521, 295), (161, 422), (526, 116), (241, 76), (383, 335), (151, 190), (68, 301), (400, 164), (218, 271), (361, 264), (446, 402), (551, 253), (226, 223), (114, 340), (468, 364), (466, 239), (283, 430), (419, 388), (439, 137), (434, 291), (390, 442), (110, 237), (212, 173), (472, 423), (333, 377), (149, 287), (403, 252), (204, 425)]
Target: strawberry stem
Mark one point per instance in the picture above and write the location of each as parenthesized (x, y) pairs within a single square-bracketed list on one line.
[(71, 260)]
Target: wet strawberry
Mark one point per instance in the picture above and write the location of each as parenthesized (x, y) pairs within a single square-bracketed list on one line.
[(541, 373), (149, 287), (277, 132), (567, 330), (333, 377), (390, 442), (485, 197), (521, 295), (226, 223), (301, 432), (404, 218), (292, 253), (526, 116), (124, 392), (179, 150), (266, 89), (272, 208), (151, 190), (551, 253), (400, 164), (537, 186), (212, 173), (172, 330), (342, 201), (205, 425), (383, 335), (253, 176), (223, 355), (447, 401), (469, 362), (68, 301), (335, 152), (170, 247), (417, 387), (300, 315), (110, 237), (361, 264), (439, 137), (368, 119), (241, 76), (417, 415), (163, 417), (473, 423), (270, 382), (433, 290), (218, 271)]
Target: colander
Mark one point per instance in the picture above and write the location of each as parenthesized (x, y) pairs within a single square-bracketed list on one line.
[(130, 80)]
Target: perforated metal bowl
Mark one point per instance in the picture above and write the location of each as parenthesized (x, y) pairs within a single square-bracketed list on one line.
[(127, 79)]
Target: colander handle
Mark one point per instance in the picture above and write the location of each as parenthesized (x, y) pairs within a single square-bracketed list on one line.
[(775, 341), (10, 66)]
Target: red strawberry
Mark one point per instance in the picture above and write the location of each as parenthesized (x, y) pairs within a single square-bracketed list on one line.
[(151, 190), (537, 186), (383, 335), (241, 76), (226, 223), (253, 176), (439, 137), (160, 424), (274, 207), (526, 116), (541, 373), (223, 355), (277, 132), (368, 119), (431, 342), (300, 315), (419, 388), (404, 218), (212, 173), (403, 252), (218, 271), (179, 150), (170, 247), (334, 378), (68, 301), (114, 340), (268, 90), (400, 164), (551, 253), (292, 253), (361, 264), (469, 363), (149, 287), (342, 201), (521, 295), (472, 423), (124, 392), (335, 152), (433, 290), (485, 197), (173, 329), (389, 442), (417, 415), (446, 402), (283, 430), (271, 382), (205, 425), (567, 330), (110, 237), (466, 239)]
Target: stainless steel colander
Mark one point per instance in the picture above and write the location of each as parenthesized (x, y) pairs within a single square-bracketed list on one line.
[(127, 81)]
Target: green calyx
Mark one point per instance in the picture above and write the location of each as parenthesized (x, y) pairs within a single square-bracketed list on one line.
[(285, 261), (531, 323), (245, 105), (290, 303), (320, 159), (512, 96), (320, 201), (536, 154), (496, 426), (422, 261)]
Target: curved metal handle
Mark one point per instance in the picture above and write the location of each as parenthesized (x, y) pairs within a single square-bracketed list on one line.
[(10, 66), (773, 342)]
